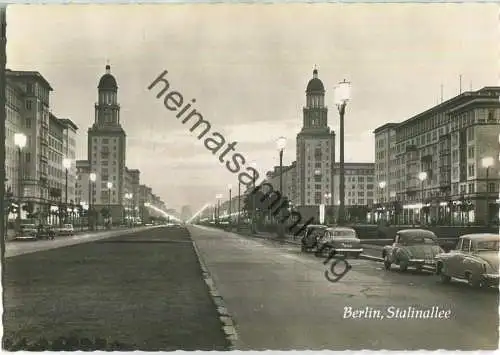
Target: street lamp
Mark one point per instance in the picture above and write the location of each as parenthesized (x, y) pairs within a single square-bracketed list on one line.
[(328, 197), (487, 163), (239, 206), (128, 198), (381, 186), (20, 142), (280, 144), (342, 97), (67, 165), (422, 176), (110, 186), (218, 197), (254, 207), (92, 179), (229, 186)]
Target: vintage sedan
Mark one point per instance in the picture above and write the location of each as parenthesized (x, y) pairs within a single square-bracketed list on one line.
[(311, 236), (412, 248), (340, 240), (475, 259)]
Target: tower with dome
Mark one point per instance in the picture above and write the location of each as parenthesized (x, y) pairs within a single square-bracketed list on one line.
[(107, 149), (315, 154)]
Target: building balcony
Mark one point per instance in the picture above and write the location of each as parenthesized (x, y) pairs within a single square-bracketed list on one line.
[(426, 158), (411, 148), (44, 159), (44, 141)]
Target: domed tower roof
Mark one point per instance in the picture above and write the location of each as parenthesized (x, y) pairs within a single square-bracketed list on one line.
[(315, 86), (108, 81)]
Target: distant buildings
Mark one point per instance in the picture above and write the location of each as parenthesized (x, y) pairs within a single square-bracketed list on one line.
[(186, 213), (432, 166)]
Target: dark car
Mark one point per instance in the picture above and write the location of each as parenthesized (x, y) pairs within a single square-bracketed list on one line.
[(311, 236), (45, 232), (412, 248)]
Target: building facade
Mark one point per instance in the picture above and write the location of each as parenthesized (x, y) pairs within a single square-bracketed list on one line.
[(32, 92), (35, 176), (315, 154), (435, 169), (359, 189)]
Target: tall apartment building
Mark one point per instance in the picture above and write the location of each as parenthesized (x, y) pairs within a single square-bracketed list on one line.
[(82, 187), (315, 151), (29, 114), (48, 138), (445, 146), (62, 133), (359, 185)]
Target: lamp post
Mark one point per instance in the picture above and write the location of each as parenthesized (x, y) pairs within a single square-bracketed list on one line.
[(218, 197), (342, 96), (67, 165), (328, 197), (128, 198), (229, 186), (239, 206), (381, 186), (90, 213), (422, 176), (110, 186), (487, 163), (280, 144), (20, 142), (254, 207)]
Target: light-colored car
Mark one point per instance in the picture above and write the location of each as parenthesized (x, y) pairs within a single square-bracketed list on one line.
[(340, 240), (28, 231), (475, 259), (66, 229), (412, 248)]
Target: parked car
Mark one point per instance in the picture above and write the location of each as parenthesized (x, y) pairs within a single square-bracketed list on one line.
[(339, 240), (412, 248), (475, 259), (46, 232), (312, 234), (66, 229), (27, 232)]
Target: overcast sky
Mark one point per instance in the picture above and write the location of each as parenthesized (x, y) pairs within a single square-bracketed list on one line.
[(248, 67)]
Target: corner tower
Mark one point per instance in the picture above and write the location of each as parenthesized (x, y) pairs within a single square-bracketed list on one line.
[(315, 154), (107, 149)]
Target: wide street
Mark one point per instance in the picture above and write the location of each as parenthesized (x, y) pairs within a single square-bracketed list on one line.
[(280, 299), (144, 289)]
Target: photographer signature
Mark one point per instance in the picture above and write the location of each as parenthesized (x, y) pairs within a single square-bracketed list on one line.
[(337, 274)]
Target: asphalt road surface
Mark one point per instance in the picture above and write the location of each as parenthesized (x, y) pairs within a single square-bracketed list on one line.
[(279, 299)]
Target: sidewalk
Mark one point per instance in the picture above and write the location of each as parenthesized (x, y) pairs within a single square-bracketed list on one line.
[(15, 248)]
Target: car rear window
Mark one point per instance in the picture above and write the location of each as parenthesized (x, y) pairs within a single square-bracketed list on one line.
[(344, 233)]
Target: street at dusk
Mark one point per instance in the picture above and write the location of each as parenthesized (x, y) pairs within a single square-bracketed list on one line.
[(222, 177)]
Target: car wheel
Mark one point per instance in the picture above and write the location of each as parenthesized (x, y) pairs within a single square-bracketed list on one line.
[(474, 282), (419, 268), (357, 255), (387, 262), (303, 248), (403, 266)]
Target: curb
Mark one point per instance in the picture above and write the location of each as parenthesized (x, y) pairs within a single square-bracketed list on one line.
[(228, 325)]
